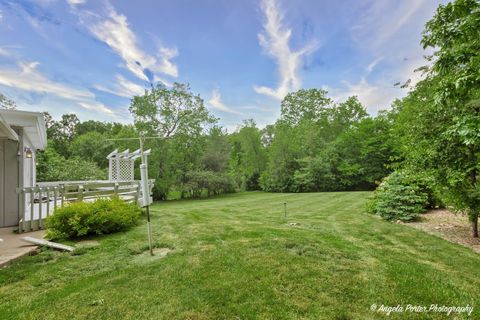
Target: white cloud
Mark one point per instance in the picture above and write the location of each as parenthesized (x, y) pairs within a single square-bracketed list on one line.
[(373, 64), (275, 40), (217, 103), (380, 93), (114, 30), (373, 95), (95, 106), (381, 20), (27, 77), (76, 2), (4, 52), (123, 88)]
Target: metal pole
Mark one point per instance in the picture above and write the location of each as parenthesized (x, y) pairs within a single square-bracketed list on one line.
[(146, 193), (285, 209)]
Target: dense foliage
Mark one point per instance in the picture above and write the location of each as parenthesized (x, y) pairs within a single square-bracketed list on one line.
[(401, 196), (438, 123), (326, 146), (102, 216), (53, 167), (316, 145)]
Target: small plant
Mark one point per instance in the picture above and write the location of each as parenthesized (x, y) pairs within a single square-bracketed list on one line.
[(400, 197), (86, 218)]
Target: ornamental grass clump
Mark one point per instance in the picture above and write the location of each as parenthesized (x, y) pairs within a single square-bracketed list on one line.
[(102, 216)]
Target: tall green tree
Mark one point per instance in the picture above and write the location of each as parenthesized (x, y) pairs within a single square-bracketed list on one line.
[(248, 155), (305, 104), (166, 112), (92, 146), (216, 152), (61, 132), (180, 120), (439, 121)]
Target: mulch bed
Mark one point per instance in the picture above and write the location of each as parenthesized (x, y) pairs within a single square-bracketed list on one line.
[(449, 226)]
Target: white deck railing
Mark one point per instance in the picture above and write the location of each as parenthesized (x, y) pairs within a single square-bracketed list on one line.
[(37, 203)]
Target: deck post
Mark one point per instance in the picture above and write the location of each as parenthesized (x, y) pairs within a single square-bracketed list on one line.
[(48, 201), (40, 207), (32, 209), (80, 193), (21, 221), (62, 195), (55, 197)]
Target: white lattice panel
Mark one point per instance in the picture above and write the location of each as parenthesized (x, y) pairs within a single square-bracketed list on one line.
[(121, 164)]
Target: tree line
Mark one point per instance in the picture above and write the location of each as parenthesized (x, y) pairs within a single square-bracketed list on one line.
[(316, 145)]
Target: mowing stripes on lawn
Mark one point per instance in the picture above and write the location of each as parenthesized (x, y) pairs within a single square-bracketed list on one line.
[(236, 256)]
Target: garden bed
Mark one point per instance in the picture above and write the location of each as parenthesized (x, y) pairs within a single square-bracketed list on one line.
[(452, 227)]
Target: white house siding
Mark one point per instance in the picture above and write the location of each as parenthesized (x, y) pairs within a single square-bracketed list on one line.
[(9, 170)]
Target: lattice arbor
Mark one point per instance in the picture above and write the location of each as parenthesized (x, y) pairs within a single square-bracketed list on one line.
[(121, 164)]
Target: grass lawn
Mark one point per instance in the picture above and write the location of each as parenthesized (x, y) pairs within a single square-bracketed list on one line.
[(237, 257)]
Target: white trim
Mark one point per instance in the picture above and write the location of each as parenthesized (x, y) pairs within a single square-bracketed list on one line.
[(33, 124), (11, 134)]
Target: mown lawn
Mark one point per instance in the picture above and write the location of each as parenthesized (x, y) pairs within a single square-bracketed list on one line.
[(237, 257)]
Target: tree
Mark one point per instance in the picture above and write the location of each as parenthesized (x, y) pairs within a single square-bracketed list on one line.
[(364, 152), (180, 119), (92, 146), (310, 104), (53, 167), (438, 122), (61, 133), (6, 103), (248, 155), (166, 112), (303, 146), (217, 150)]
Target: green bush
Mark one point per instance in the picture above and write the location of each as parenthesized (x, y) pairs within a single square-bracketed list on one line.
[(86, 218), (401, 196), (200, 182)]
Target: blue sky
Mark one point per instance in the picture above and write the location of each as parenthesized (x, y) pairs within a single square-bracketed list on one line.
[(91, 56)]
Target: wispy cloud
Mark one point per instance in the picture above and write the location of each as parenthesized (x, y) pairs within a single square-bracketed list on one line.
[(381, 20), (4, 52), (373, 95), (217, 103), (275, 40), (95, 106), (114, 30), (75, 2), (27, 77), (373, 64), (379, 93), (123, 88)]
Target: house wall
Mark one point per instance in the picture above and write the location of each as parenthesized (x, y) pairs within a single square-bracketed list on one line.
[(28, 164), (9, 181)]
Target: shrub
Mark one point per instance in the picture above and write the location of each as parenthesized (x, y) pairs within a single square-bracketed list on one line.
[(401, 196), (201, 181), (86, 218)]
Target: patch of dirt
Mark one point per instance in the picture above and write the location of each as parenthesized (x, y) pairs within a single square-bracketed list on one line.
[(449, 226), (158, 253)]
